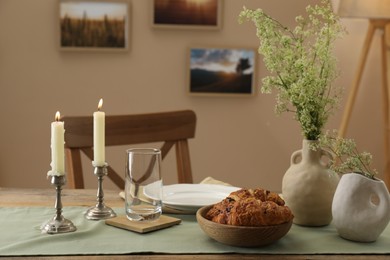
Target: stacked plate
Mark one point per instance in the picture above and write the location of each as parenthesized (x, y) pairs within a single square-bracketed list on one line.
[(191, 197)]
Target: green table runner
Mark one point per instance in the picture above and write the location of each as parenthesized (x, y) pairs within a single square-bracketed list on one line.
[(20, 235)]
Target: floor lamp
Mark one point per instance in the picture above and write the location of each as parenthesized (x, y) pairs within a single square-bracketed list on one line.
[(378, 14)]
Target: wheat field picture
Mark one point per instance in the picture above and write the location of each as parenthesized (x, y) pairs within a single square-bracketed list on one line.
[(93, 24)]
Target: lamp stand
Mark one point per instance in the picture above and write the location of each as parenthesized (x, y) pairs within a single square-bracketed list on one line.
[(374, 24)]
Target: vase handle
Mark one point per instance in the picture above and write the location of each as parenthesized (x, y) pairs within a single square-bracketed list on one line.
[(295, 156), (326, 154)]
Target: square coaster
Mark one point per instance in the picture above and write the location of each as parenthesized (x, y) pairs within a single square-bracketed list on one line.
[(143, 226)]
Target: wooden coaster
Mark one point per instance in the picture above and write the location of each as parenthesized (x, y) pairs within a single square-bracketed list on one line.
[(143, 226)]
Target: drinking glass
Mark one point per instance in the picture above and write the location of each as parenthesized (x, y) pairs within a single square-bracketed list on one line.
[(143, 187)]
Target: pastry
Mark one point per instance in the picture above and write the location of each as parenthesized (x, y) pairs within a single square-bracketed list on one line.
[(251, 207)]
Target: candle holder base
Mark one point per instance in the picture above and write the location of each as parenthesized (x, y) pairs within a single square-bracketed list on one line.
[(58, 224), (100, 211)]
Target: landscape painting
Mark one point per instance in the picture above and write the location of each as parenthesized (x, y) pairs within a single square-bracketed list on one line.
[(99, 25), (187, 13), (227, 71)]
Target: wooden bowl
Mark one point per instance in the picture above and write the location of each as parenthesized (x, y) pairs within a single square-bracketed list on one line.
[(241, 236)]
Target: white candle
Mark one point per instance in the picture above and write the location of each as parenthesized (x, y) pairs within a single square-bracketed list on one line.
[(99, 136), (57, 147)]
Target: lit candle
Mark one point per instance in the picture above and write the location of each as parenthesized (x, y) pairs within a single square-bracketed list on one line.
[(98, 136), (57, 147)]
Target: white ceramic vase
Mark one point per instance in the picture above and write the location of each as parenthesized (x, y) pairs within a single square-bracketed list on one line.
[(361, 208), (308, 186)]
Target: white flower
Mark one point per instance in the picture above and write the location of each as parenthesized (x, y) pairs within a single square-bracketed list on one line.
[(301, 62)]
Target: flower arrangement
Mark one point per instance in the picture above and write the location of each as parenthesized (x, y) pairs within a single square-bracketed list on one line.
[(346, 157), (301, 64)]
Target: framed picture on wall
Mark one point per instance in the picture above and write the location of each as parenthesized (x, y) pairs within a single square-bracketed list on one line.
[(94, 25), (222, 71), (186, 14)]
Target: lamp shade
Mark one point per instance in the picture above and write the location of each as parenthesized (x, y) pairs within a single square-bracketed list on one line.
[(374, 9)]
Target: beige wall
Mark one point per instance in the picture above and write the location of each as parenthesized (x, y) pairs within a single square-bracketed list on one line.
[(239, 140)]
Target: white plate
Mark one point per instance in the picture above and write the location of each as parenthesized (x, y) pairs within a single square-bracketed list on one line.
[(191, 197)]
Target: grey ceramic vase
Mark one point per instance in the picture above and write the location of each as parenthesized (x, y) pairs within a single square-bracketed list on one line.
[(308, 186), (361, 208)]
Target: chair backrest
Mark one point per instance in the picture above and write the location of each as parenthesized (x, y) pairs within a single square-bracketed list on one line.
[(171, 128)]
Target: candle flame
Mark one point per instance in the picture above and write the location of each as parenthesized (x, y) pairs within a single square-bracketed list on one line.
[(100, 104), (57, 116)]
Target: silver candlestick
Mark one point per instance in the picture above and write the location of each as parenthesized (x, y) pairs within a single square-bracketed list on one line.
[(58, 224), (100, 211)]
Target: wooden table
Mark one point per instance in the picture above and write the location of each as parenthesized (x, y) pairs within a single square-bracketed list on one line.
[(12, 197)]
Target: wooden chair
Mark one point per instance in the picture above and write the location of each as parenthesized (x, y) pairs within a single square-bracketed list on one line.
[(171, 128)]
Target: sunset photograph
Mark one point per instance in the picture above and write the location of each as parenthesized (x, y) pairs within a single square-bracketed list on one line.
[(186, 12), (221, 70)]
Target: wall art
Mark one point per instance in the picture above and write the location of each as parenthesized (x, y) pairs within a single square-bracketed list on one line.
[(186, 14), (94, 25), (221, 71)]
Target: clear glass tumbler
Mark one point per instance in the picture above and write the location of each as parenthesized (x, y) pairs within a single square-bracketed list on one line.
[(143, 188)]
